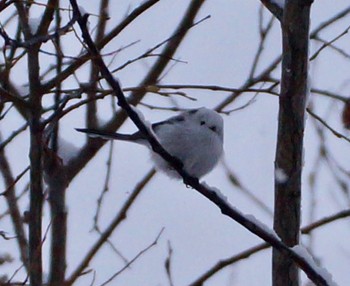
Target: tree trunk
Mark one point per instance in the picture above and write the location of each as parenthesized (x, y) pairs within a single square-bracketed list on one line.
[(36, 171), (289, 152)]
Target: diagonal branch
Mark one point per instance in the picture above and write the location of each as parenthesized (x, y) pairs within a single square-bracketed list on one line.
[(210, 193), (262, 246), (274, 8), (152, 77), (104, 235)]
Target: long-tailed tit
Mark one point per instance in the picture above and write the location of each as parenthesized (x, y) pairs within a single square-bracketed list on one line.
[(195, 137)]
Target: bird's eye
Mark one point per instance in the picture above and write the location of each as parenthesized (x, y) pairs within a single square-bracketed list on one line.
[(213, 128), (202, 122)]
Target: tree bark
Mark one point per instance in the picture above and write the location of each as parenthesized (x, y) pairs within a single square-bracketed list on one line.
[(289, 152), (36, 170)]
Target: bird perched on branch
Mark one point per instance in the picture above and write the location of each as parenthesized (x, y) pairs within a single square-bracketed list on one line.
[(195, 137)]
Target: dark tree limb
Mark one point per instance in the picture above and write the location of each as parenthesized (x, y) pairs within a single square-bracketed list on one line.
[(35, 150), (35, 156), (47, 17), (289, 151), (55, 178), (91, 107), (274, 8)]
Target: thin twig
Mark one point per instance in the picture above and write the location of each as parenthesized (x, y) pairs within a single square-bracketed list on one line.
[(327, 44), (235, 181), (167, 265), (325, 124), (105, 187), (15, 181), (143, 251), (264, 31), (120, 216), (149, 52), (212, 88), (14, 134)]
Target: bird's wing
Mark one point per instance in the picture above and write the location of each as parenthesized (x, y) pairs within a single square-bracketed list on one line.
[(170, 121)]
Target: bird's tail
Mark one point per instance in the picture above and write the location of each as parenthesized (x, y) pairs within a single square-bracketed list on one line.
[(111, 135)]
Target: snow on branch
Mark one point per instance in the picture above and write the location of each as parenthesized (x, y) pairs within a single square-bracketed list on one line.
[(302, 252)]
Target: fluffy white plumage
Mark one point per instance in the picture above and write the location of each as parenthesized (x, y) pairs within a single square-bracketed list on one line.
[(195, 137)]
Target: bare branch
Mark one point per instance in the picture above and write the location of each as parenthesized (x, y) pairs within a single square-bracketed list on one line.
[(168, 263), (116, 221), (324, 123), (327, 44), (142, 252), (274, 8), (330, 21)]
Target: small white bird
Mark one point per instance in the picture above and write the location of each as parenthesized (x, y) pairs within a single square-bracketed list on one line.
[(195, 137)]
